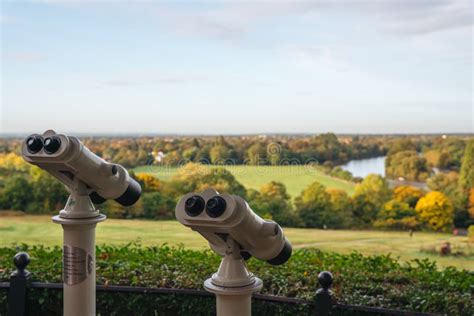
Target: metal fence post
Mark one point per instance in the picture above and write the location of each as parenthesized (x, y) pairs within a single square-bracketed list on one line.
[(323, 300), (18, 283)]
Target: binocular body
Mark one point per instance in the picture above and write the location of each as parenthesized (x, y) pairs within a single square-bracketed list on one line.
[(67, 159), (220, 216)]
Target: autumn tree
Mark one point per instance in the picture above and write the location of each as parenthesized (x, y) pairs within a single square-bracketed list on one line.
[(49, 194), (471, 203), (341, 209), (435, 210), (16, 194), (114, 210), (190, 154), (397, 214), (402, 144), (447, 183), (219, 154), (196, 177), (314, 206), (148, 182), (12, 163), (446, 153), (407, 164), (273, 202), (223, 181), (408, 194), (158, 206), (256, 154), (369, 196), (466, 175), (187, 177)]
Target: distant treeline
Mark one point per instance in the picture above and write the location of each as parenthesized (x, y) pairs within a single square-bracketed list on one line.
[(325, 149), (254, 150), (373, 204)]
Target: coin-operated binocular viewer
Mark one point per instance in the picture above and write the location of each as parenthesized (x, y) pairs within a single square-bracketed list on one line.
[(89, 179), (236, 233)]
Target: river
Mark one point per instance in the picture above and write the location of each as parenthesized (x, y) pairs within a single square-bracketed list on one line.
[(363, 167)]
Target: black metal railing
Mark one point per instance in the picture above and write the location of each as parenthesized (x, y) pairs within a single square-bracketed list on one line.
[(324, 303)]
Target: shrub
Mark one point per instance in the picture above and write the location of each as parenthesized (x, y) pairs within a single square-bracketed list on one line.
[(148, 182), (157, 206), (340, 173), (361, 280)]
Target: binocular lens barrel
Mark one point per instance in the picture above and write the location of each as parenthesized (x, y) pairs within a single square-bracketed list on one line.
[(215, 206), (283, 256), (34, 143), (131, 195), (194, 205), (52, 144), (128, 198)]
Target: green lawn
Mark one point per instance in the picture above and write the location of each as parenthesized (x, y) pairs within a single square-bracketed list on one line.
[(295, 178), (40, 230)]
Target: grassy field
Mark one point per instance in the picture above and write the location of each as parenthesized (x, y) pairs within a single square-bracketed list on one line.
[(295, 178), (40, 230)]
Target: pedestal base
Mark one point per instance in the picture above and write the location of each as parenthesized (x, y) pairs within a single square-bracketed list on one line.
[(233, 301)]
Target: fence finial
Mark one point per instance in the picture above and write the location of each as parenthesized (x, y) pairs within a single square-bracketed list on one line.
[(325, 279), (21, 261), (323, 301)]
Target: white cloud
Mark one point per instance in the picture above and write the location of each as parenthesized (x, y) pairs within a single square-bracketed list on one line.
[(231, 20), (420, 17), (228, 20)]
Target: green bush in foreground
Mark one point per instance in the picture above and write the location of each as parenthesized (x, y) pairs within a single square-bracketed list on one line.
[(359, 280)]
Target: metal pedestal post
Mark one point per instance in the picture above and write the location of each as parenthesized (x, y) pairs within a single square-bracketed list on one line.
[(79, 219), (79, 265), (233, 284)]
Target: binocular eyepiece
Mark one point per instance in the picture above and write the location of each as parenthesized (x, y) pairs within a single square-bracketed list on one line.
[(35, 143), (215, 206), (194, 205)]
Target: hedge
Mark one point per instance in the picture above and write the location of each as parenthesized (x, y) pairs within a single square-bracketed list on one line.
[(380, 281)]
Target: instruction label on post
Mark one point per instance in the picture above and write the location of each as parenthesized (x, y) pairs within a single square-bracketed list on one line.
[(76, 265)]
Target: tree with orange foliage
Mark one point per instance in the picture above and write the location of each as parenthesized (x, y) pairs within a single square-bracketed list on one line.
[(148, 182), (408, 194)]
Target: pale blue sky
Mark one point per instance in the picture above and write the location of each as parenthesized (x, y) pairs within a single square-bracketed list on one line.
[(237, 67)]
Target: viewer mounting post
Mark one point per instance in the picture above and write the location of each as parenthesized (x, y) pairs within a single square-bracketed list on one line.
[(79, 219), (89, 179)]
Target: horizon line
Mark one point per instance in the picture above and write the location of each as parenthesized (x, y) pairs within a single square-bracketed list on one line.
[(157, 134)]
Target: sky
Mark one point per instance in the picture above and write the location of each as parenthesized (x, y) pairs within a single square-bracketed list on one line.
[(237, 67)]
